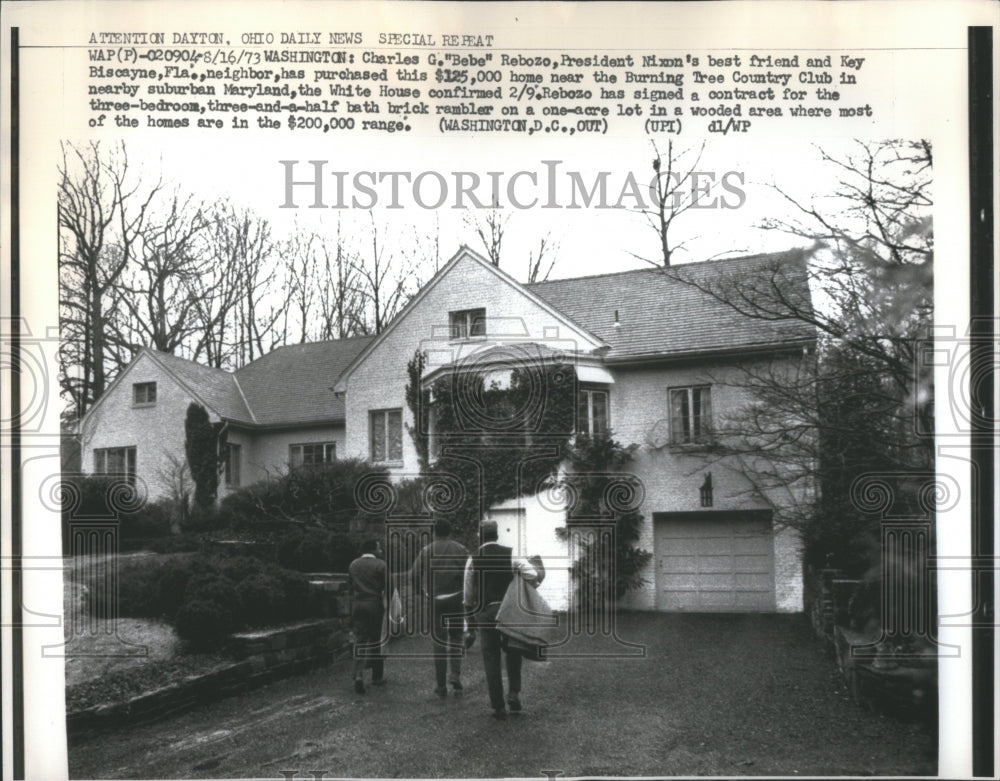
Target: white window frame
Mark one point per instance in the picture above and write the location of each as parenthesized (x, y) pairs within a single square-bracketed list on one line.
[(233, 457), (143, 389), (380, 417), (697, 427), (130, 458), (587, 427), (467, 323), (297, 453)]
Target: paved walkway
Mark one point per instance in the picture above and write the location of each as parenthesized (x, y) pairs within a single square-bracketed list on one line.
[(713, 695)]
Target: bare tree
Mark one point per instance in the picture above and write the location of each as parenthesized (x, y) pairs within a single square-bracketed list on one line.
[(383, 281), (302, 279), (674, 191), (536, 260), (159, 288), (217, 290), (490, 226), (853, 408), (103, 211), (341, 310)]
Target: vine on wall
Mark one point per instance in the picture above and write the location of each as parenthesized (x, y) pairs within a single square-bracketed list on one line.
[(498, 435)]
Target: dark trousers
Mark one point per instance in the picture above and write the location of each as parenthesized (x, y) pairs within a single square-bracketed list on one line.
[(493, 644), (446, 632), (366, 621)]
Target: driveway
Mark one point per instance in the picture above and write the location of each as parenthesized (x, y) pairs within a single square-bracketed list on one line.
[(712, 695)]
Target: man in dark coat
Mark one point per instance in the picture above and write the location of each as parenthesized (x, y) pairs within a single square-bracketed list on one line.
[(488, 573), (438, 570), (368, 584)]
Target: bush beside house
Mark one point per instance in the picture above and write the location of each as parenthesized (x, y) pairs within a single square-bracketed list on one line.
[(204, 597)]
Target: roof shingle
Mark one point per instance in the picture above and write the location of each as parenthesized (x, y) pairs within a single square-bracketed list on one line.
[(216, 387), (294, 384), (668, 311)]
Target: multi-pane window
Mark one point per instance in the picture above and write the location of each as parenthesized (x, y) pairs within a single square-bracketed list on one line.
[(467, 322), (115, 461), (592, 412), (690, 414), (232, 466), (386, 429), (144, 393), (312, 454)]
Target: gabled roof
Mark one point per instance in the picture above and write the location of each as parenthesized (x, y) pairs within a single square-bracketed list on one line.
[(294, 384), (666, 312), (215, 388), (502, 277), (290, 386)]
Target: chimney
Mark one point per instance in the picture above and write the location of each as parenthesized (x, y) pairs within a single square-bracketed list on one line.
[(617, 321)]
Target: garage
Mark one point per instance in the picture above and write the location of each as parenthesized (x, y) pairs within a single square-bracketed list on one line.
[(714, 562)]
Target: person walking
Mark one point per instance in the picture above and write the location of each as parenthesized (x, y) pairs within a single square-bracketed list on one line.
[(488, 573), (438, 571), (368, 585)]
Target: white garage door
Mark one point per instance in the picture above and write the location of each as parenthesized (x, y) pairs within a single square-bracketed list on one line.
[(714, 562)]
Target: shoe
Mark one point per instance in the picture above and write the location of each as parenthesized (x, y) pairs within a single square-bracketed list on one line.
[(359, 686), (456, 685), (514, 703), (441, 691), (379, 682), (500, 714)]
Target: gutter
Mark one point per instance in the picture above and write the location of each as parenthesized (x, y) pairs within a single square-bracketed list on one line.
[(701, 356)]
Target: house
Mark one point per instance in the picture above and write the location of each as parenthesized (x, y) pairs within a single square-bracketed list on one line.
[(279, 410), (653, 357)]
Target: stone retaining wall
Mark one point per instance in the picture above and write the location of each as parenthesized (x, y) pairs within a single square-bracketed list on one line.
[(260, 657)]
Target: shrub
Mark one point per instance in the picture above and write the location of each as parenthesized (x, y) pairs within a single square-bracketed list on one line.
[(236, 568), (171, 586), (262, 599), (99, 496), (320, 495), (316, 550), (296, 588), (206, 597), (203, 623), (176, 543)]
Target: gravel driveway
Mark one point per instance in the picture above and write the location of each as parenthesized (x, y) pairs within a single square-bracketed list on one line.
[(713, 695)]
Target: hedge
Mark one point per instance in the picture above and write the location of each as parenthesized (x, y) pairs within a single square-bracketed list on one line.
[(205, 597)]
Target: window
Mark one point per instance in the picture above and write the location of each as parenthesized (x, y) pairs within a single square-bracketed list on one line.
[(467, 322), (143, 393), (386, 427), (312, 454), (232, 465), (115, 461), (592, 413), (690, 414)]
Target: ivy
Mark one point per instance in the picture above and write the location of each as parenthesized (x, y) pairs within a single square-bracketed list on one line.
[(498, 435), (603, 496)]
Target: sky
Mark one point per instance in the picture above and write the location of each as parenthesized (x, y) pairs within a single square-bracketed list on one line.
[(585, 239)]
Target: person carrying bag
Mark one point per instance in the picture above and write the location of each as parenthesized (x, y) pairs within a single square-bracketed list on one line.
[(525, 618)]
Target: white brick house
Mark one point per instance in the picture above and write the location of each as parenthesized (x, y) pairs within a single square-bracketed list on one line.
[(652, 357), (280, 410)]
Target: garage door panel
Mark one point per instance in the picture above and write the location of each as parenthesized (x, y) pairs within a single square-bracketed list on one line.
[(684, 600), (755, 563), (746, 581), (717, 600), (714, 563), (715, 581), (678, 563)]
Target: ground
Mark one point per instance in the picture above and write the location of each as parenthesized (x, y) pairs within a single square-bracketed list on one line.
[(713, 695)]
